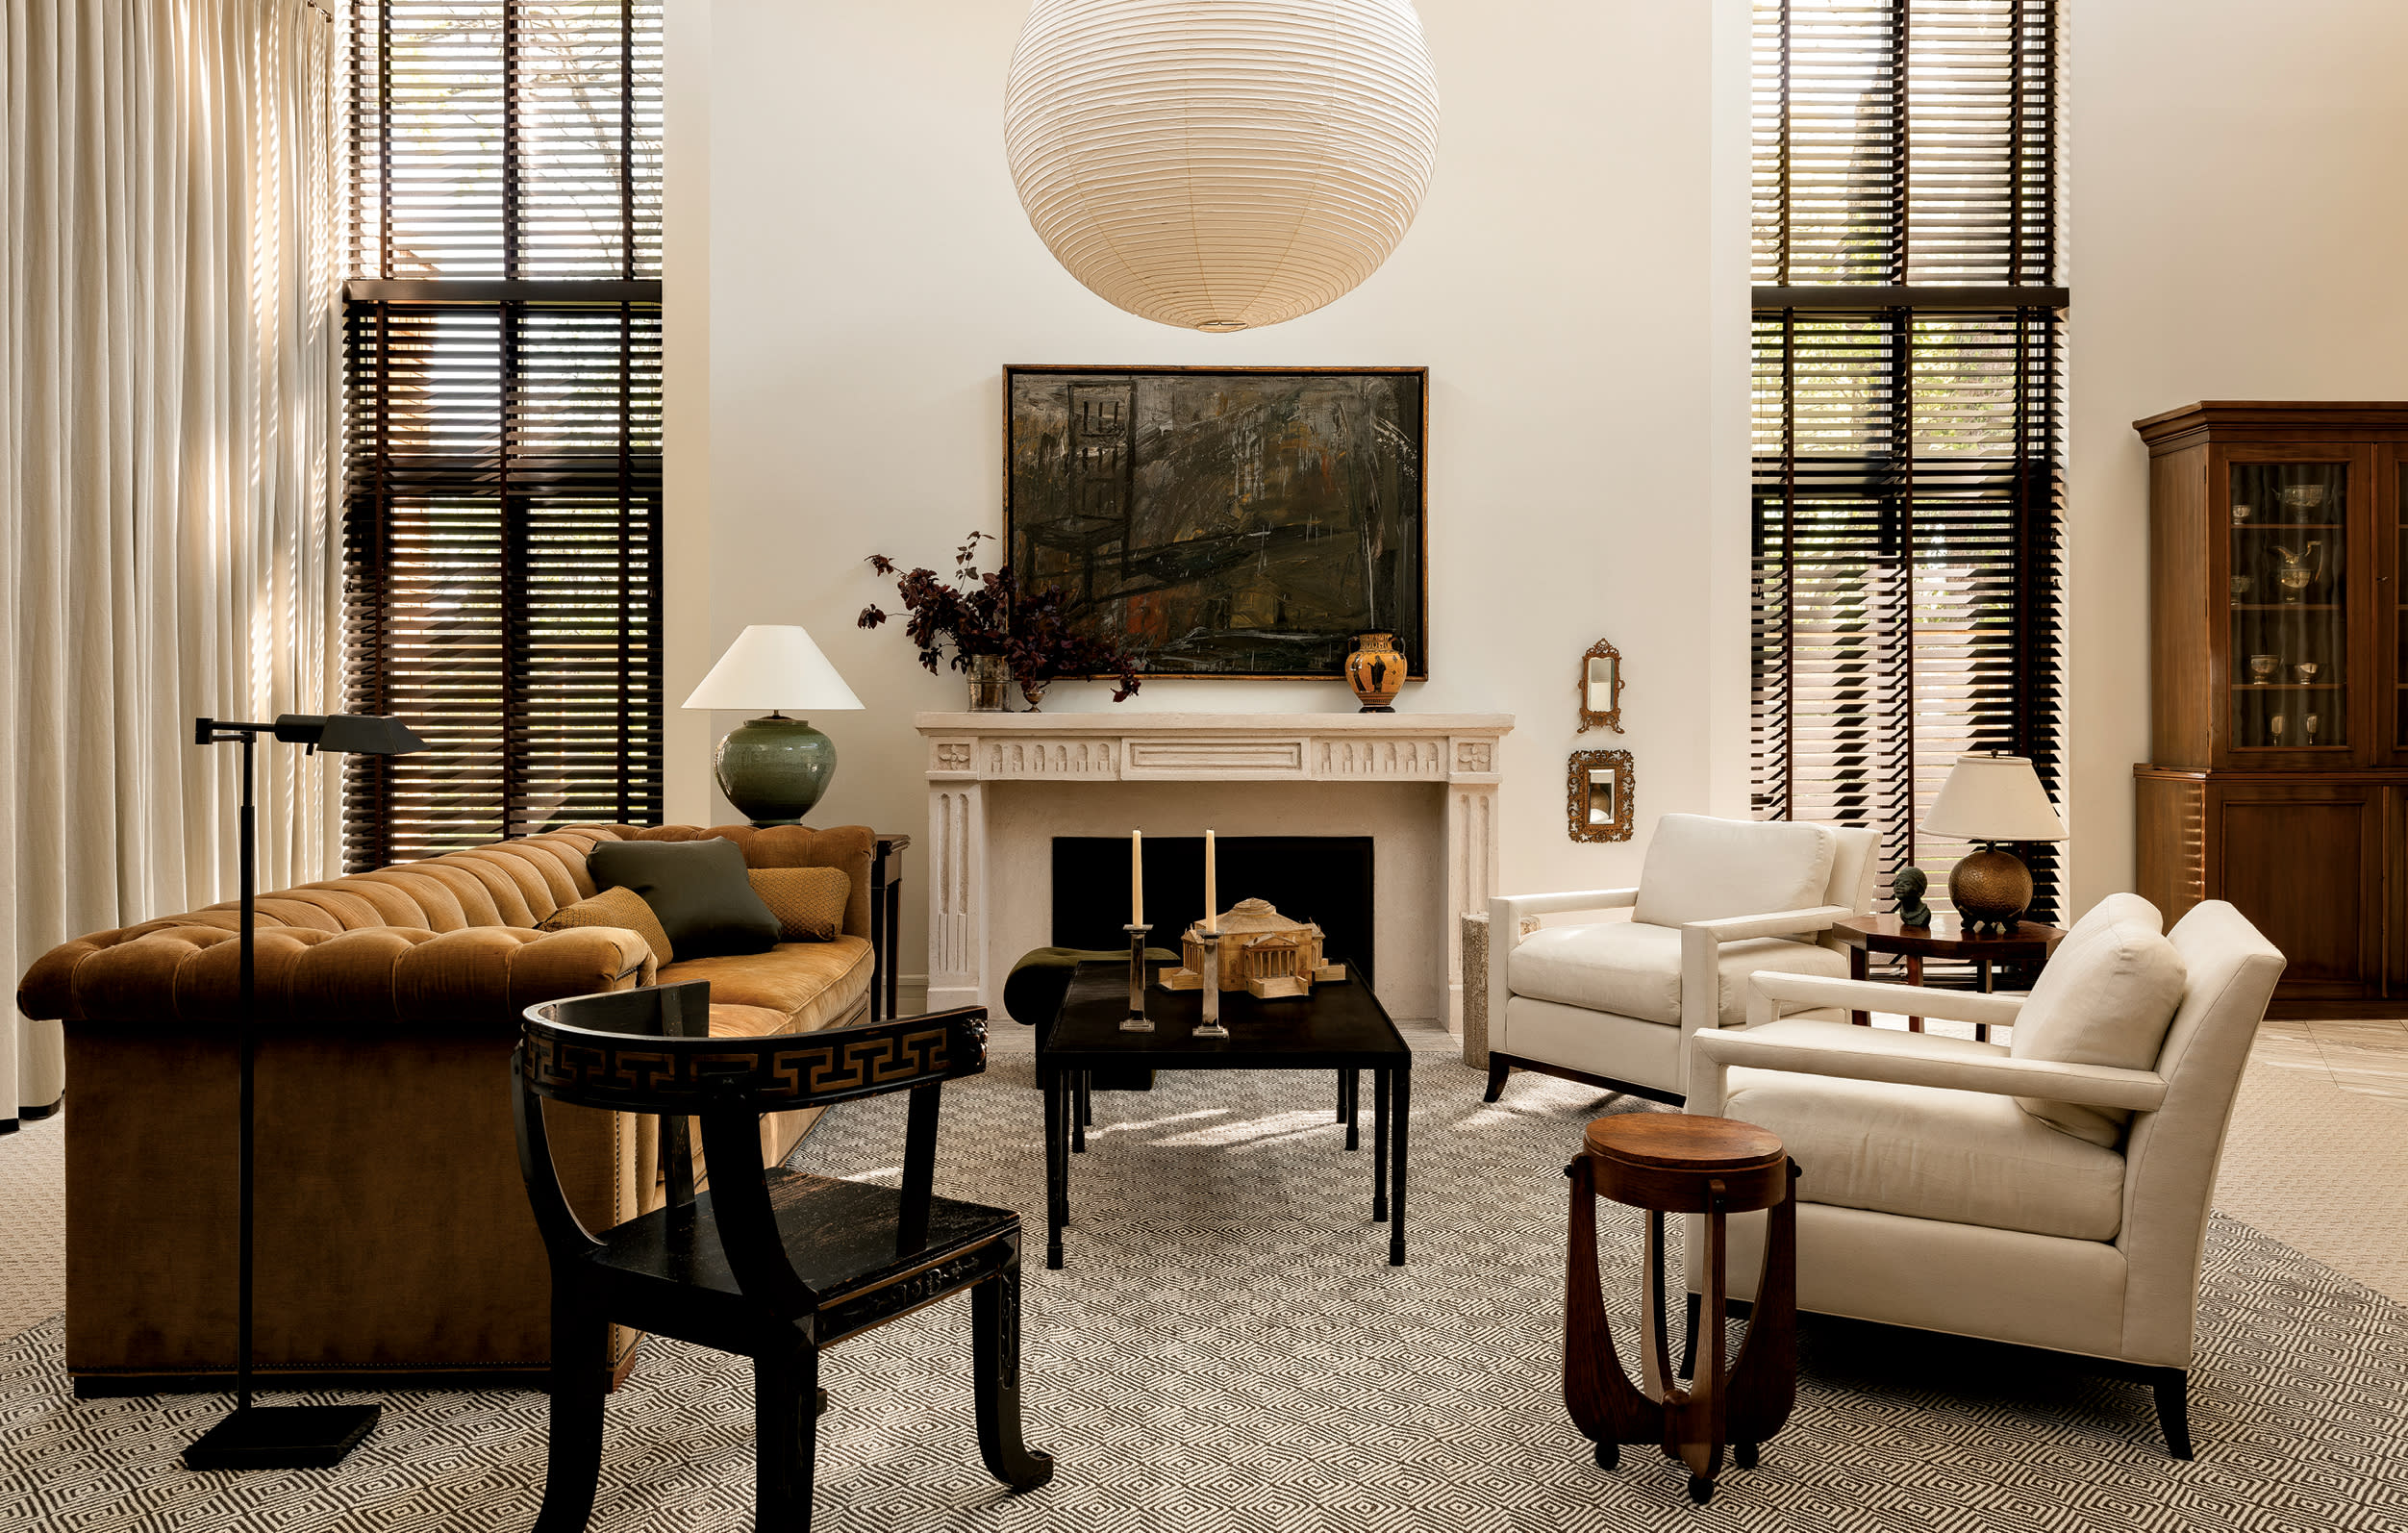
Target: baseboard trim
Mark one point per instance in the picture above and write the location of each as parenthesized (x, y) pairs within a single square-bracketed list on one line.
[(35, 1114)]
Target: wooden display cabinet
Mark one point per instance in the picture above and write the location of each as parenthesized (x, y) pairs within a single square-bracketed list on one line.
[(2278, 719)]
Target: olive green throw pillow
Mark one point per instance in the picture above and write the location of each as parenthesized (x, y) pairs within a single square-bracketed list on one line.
[(615, 907), (808, 902), (698, 888)]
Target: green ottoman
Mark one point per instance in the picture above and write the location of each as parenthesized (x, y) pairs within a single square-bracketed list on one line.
[(1033, 992)]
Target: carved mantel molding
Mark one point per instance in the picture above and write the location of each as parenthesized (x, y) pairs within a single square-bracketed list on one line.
[(967, 751)]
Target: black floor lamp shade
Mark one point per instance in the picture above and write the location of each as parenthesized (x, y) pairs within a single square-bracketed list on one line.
[(352, 734), (285, 1435)]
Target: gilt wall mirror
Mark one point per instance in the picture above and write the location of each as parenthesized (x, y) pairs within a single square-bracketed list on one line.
[(1599, 788), (1601, 688)]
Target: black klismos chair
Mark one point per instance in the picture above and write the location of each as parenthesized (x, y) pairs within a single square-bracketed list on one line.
[(773, 1264)]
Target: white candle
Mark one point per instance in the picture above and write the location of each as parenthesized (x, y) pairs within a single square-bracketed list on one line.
[(1136, 878), (1212, 899)]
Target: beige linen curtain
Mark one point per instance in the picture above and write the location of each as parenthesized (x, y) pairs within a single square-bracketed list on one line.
[(169, 331)]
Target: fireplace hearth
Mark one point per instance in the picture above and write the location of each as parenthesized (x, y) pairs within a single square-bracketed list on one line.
[(1323, 879), (1005, 789)]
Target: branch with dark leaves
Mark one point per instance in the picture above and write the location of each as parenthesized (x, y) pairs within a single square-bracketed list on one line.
[(976, 613)]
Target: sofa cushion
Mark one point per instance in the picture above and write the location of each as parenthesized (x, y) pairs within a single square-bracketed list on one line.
[(1701, 868), (1927, 1152), (615, 907), (698, 888), (814, 983), (808, 902), (2106, 996), (1634, 969), (748, 1021), (851, 849)]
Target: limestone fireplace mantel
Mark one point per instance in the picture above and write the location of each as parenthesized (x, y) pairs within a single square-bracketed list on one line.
[(1423, 785)]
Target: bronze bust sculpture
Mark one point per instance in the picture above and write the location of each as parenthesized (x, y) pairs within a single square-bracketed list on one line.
[(1909, 887)]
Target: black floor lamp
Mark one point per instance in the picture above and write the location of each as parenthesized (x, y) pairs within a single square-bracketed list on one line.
[(283, 1437)]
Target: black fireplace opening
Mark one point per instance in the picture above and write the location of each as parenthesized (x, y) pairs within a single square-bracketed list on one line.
[(1324, 879)]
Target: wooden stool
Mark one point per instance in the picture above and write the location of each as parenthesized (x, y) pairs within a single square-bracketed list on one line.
[(1671, 1163)]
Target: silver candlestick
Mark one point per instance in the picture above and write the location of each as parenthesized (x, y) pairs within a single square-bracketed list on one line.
[(1137, 1022), (1210, 994)]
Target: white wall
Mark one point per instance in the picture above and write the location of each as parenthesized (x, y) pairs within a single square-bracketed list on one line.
[(861, 271), (2238, 222)]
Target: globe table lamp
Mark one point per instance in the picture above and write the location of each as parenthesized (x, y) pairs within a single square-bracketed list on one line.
[(1992, 798), (774, 768)]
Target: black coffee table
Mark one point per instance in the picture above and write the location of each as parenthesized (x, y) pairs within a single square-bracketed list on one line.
[(1340, 1028)]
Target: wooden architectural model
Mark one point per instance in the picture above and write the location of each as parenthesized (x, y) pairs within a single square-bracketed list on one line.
[(1262, 953)]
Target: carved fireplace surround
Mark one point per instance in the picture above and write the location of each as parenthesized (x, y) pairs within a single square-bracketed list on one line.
[(1000, 786)]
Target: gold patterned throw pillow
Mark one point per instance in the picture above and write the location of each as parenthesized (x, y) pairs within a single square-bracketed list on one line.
[(808, 902), (615, 907)]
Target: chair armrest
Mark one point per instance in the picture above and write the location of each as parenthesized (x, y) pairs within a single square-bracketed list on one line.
[(1766, 989), (1701, 981), (1779, 923), (1920, 1059), (1507, 912)]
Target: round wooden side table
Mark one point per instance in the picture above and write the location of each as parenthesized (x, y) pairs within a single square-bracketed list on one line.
[(2027, 946), (1672, 1163)]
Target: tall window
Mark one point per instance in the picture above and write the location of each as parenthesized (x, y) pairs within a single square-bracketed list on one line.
[(1908, 423), (502, 519)]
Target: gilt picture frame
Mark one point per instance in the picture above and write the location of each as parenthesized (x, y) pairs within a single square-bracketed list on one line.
[(1597, 792), (1232, 523)]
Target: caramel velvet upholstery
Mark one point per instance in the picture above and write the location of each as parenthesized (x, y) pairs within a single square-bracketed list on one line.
[(394, 1238)]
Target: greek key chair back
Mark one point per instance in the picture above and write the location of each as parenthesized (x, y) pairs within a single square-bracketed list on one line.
[(604, 1051), (649, 1051)]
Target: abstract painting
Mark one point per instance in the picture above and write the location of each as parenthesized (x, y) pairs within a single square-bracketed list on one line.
[(1223, 521)]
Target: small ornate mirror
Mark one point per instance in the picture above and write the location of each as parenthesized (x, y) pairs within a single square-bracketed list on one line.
[(1601, 688), (1599, 790)]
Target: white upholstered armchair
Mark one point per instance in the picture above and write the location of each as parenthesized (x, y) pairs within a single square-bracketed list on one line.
[(2054, 1193), (1615, 1003)]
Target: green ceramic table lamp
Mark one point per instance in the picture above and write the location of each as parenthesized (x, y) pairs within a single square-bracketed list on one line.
[(774, 768)]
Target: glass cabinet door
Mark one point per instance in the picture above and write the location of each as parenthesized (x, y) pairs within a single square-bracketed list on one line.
[(2289, 587)]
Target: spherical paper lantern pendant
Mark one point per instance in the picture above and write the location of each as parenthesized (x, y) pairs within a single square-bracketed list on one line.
[(1219, 164)]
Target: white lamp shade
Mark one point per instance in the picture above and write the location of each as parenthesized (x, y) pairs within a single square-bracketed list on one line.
[(1220, 163), (1994, 798), (773, 665)]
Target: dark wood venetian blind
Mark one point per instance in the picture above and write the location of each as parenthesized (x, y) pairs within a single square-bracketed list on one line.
[(1909, 408), (502, 519)]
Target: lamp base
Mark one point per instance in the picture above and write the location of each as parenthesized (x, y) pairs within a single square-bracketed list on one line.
[(1990, 889), (283, 1437), (774, 768)]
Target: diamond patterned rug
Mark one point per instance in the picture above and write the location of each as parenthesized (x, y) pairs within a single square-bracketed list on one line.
[(1227, 1349)]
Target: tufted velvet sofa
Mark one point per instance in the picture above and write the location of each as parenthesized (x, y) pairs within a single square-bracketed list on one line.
[(394, 1243)]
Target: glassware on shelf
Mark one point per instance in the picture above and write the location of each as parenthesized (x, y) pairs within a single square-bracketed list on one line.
[(2240, 514), (2305, 670), (2301, 500), (2310, 722), (2262, 669), (2276, 724), (2297, 571), (2241, 589)]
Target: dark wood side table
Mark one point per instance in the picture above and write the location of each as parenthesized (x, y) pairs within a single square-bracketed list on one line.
[(885, 915), (2027, 946), (1673, 1163)]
